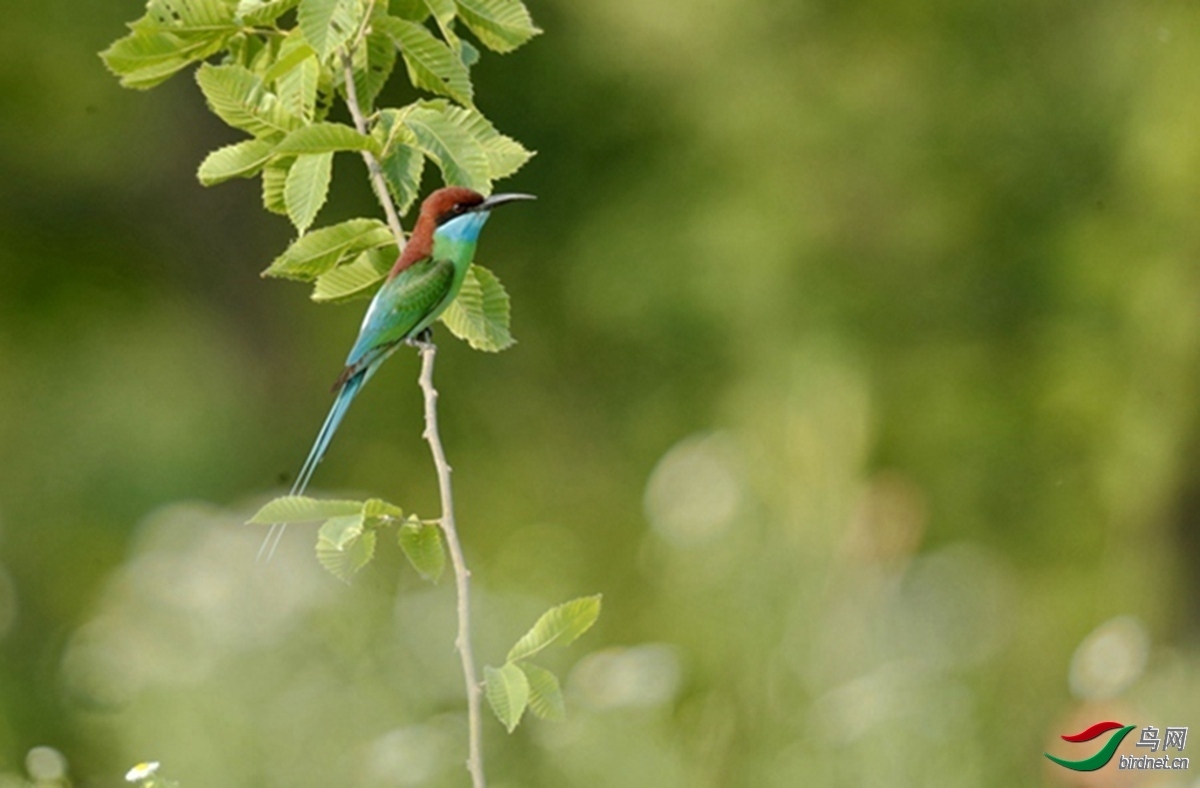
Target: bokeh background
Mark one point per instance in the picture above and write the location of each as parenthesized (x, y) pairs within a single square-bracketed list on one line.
[(858, 368)]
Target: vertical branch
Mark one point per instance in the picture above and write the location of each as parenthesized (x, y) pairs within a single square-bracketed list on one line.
[(428, 351), (462, 575), (378, 182)]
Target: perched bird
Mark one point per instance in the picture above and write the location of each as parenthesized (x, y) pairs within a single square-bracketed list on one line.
[(422, 283)]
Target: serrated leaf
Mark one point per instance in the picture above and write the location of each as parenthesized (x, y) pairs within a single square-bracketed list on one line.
[(143, 60), (256, 54), (240, 160), (377, 507), (238, 97), (344, 546), (507, 693), (356, 279), (325, 137), (301, 509), (432, 64), (209, 17), (558, 626), (504, 154), (390, 129), (262, 12), (274, 176), (307, 187), (480, 312), (373, 66), (340, 531), (545, 694), (296, 74), (320, 250), (444, 13), (501, 25), (327, 24), (422, 545), (457, 154), (402, 168)]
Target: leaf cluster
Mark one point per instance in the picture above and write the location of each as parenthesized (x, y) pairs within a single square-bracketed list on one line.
[(519, 684), (276, 70), (349, 531)]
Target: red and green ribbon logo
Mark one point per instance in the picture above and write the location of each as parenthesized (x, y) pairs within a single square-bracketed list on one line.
[(1105, 753)]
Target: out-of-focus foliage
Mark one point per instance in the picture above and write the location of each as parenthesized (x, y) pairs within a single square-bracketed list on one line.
[(858, 370)]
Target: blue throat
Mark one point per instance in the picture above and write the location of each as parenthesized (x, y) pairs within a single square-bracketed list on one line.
[(463, 229)]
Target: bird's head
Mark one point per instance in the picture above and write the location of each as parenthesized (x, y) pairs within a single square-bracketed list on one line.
[(449, 203), (453, 212)]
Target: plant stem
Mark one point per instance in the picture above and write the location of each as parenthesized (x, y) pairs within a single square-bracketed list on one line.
[(462, 575), (428, 350), (378, 182)]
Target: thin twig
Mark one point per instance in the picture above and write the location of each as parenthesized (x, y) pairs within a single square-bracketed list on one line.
[(378, 182), (462, 575)]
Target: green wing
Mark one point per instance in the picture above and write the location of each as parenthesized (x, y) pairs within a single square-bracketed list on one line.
[(401, 308)]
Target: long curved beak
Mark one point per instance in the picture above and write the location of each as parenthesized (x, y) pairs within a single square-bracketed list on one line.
[(501, 199)]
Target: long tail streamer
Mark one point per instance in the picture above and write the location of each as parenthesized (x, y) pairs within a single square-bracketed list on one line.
[(332, 421)]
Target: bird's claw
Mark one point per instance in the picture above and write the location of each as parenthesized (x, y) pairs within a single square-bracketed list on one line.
[(422, 341)]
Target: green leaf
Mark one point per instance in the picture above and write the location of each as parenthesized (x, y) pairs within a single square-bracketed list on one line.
[(238, 97), (504, 154), (460, 157), (373, 66), (480, 313), (344, 546), (377, 507), (422, 544), (258, 55), (240, 160), (143, 60), (469, 54), (300, 509), (444, 12), (213, 18), (263, 12), (390, 129), (402, 168), (307, 187), (432, 65), (501, 25), (296, 74), (507, 693), (298, 87), (558, 626), (274, 177), (326, 137), (357, 278), (321, 250), (327, 24), (545, 694)]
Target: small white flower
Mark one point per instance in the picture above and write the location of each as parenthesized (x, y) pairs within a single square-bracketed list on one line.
[(141, 771)]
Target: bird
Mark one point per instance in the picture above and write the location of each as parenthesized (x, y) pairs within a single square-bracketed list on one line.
[(424, 281)]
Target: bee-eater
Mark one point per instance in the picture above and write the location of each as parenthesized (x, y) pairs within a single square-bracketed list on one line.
[(422, 283)]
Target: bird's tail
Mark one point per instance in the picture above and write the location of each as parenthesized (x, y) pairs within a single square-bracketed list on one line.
[(340, 405)]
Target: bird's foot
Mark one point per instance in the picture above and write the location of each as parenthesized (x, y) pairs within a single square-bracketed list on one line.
[(422, 341)]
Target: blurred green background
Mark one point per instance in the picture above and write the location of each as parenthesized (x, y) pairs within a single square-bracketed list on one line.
[(858, 368)]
